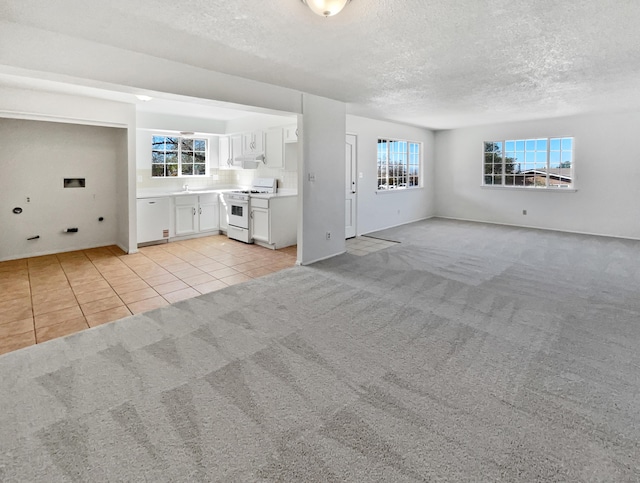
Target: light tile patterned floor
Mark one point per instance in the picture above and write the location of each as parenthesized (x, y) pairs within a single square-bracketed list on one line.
[(363, 245), (42, 298)]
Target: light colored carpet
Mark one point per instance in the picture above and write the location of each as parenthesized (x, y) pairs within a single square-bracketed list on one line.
[(467, 352)]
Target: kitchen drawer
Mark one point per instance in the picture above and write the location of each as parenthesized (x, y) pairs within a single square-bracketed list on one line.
[(259, 203)]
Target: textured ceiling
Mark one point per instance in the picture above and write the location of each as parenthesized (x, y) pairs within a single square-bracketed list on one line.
[(433, 63)]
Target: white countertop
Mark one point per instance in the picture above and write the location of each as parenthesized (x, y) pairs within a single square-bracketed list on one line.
[(284, 193), (162, 193)]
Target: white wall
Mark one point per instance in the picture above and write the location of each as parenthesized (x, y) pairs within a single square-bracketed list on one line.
[(66, 59), (323, 199), (171, 122), (607, 169), (44, 106), (382, 209), (37, 156)]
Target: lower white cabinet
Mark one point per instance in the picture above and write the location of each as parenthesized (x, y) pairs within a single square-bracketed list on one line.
[(274, 221), (196, 214), (154, 219), (208, 212), (260, 224)]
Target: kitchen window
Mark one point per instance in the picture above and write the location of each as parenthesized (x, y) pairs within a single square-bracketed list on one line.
[(173, 156), (529, 163), (398, 164)]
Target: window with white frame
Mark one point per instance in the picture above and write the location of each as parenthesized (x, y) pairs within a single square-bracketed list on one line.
[(529, 163), (173, 156), (398, 164)]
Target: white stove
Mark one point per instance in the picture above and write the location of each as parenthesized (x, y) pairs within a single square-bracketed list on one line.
[(238, 206)]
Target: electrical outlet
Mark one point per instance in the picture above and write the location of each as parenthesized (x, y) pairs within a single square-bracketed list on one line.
[(328, 235), (312, 177), (524, 212)]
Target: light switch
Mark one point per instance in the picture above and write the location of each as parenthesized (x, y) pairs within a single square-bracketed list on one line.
[(312, 177)]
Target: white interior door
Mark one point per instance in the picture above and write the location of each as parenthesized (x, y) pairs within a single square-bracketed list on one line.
[(351, 186)]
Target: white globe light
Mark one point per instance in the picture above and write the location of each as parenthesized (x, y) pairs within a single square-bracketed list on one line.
[(326, 8)]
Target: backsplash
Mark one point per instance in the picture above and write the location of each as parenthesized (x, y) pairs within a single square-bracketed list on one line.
[(225, 177)]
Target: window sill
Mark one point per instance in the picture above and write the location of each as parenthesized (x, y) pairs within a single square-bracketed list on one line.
[(524, 188), (397, 190)]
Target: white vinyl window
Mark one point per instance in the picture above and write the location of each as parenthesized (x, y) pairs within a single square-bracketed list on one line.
[(529, 163), (399, 164), (173, 156)]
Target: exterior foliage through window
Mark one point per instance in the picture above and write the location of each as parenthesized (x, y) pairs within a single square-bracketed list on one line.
[(398, 164), (178, 156), (529, 163)]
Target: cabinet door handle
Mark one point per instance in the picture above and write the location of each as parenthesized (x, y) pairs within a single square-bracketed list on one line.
[(194, 212), (200, 210), (251, 215)]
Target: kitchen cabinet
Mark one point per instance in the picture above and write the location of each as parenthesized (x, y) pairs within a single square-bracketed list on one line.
[(196, 214), (208, 212), (230, 147), (274, 221), (154, 219), (185, 210), (260, 222), (253, 142), (291, 134), (274, 148)]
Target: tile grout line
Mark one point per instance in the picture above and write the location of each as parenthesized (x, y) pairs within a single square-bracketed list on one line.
[(107, 282)]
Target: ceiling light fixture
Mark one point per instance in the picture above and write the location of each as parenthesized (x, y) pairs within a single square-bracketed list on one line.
[(143, 98), (326, 8)]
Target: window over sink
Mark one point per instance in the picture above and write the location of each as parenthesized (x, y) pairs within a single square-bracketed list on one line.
[(174, 156)]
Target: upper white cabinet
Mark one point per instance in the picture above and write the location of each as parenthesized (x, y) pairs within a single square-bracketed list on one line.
[(230, 148), (234, 146), (291, 134), (253, 142), (224, 152), (274, 152)]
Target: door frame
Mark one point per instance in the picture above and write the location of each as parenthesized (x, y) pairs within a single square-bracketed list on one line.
[(355, 169)]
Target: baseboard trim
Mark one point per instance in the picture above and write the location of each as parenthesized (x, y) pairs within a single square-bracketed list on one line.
[(320, 259), (575, 232)]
